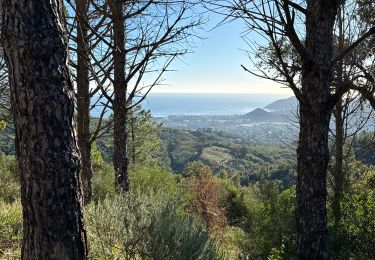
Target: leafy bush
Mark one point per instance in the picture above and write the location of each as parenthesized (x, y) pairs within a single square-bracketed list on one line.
[(267, 218), (357, 231), (10, 229), (195, 168), (276, 222), (103, 181), (354, 236), (282, 253), (236, 243), (145, 225), (235, 204), (156, 179), (9, 183), (141, 177)]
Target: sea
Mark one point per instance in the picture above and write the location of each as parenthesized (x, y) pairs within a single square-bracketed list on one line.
[(167, 104)]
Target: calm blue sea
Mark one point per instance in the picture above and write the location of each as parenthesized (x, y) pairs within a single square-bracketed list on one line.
[(165, 104)]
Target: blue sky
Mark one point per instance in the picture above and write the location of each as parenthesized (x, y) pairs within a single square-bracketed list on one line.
[(214, 67)]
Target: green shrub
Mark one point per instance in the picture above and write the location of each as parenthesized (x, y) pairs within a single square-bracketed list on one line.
[(9, 182), (156, 179), (195, 168), (174, 236), (235, 204), (10, 229), (358, 227), (142, 178), (282, 253), (236, 243), (266, 215), (103, 181), (354, 236), (145, 225)]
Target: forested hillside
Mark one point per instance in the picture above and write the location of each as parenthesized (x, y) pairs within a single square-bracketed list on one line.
[(251, 186)]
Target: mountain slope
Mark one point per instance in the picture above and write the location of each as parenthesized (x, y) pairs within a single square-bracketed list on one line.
[(260, 114), (287, 104)]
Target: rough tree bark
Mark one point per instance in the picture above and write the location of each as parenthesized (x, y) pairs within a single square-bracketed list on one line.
[(83, 96), (315, 114), (277, 20), (338, 174), (120, 160), (43, 108)]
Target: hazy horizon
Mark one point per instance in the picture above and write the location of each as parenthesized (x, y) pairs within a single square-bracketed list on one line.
[(166, 104), (163, 104)]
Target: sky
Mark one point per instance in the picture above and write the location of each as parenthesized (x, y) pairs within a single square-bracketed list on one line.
[(215, 66)]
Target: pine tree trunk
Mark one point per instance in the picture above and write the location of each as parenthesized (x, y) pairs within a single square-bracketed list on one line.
[(315, 114), (312, 156), (120, 160), (132, 126), (43, 108), (338, 175), (83, 96)]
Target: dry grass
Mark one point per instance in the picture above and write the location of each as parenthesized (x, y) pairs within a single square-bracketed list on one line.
[(216, 155)]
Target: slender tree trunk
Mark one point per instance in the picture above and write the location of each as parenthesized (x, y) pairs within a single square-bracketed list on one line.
[(120, 160), (315, 114), (132, 126), (338, 175), (43, 108), (83, 96)]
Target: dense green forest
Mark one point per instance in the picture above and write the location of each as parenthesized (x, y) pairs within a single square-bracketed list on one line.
[(249, 192), (123, 185)]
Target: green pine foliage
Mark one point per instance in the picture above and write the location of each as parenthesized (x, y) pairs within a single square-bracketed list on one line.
[(143, 137)]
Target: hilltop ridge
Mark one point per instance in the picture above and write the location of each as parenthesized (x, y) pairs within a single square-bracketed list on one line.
[(286, 104), (274, 111)]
